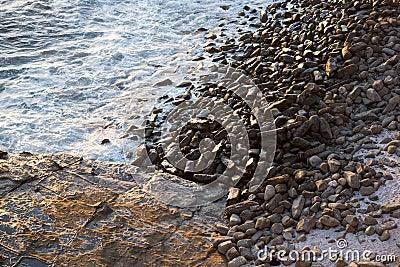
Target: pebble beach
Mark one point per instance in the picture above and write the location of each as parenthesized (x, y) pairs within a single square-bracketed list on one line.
[(329, 71)]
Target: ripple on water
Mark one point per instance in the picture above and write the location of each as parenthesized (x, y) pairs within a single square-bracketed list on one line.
[(69, 69)]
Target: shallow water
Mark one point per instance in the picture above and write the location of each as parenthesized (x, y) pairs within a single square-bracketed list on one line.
[(69, 69)]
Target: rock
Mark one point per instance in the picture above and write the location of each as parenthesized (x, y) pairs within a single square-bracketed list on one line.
[(331, 66), (225, 246), (163, 83), (198, 124), (370, 230), (355, 92), (233, 196), (373, 95), (325, 129), (315, 161), (262, 223), (346, 54), (376, 129), (220, 239), (391, 149), (366, 190), (352, 179), (334, 165), (378, 85), (394, 103), (237, 262), (348, 70), (329, 221), (269, 192), (297, 206), (390, 207), (368, 220), (351, 220), (366, 116), (234, 219), (300, 143), (263, 16), (385, 236), (232, 253), (277, 228), (314, 123), (221, 228), (306, 224), (244, 243), (239, 207)]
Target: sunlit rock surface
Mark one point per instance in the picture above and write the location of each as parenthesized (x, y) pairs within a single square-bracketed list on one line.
[(66, 211)]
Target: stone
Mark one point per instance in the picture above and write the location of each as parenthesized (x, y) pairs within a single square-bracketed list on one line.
[(262, 223), (300, 143), (348, 70), (237, 262), (315, 161), (269, 192), (391, 149), (394, 103), (366, 190), (368, 220), (306, 224), (244, 243), (234, 219), (325, 129), (334, 165), (225, 246), (352, 179), (232, 253), (384, 236), (329, 221), (351, 220), (297, 206), (331, 66), (373, 95), (390, 207), (376, 129), (263, 16), (277, 228)]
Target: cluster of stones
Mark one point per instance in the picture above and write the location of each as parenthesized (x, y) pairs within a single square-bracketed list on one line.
[(331, 70), (199, 128)]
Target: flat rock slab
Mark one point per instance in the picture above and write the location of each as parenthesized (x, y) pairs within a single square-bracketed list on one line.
[(64, 211)]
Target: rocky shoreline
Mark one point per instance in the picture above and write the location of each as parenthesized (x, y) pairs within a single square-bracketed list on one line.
[(62, 210), (331, 71)]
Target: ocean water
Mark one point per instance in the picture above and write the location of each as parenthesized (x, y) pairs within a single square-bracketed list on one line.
[(69, 70)]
